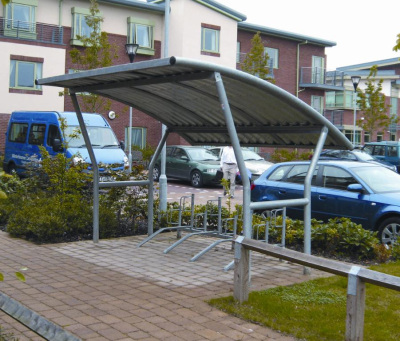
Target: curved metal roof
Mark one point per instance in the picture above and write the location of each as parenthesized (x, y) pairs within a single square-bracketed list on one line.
[(182, 94)]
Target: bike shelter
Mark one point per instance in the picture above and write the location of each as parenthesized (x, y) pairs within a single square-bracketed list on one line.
[(208, 104)]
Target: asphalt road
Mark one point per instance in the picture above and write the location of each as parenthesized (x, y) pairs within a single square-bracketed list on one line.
[(177, 189)]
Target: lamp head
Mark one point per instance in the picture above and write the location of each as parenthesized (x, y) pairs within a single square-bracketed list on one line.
[(355, 80), (131, 50)]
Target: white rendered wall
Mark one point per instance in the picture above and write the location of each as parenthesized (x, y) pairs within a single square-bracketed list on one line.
[(185, 32), (54, 64)]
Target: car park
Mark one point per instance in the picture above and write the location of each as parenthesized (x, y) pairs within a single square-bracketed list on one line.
[(354, 155), (255, 164), (366, 193), (387, 151), (189, 163)]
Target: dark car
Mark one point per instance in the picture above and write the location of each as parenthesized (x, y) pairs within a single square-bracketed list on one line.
[(195, 164), (366, 193), (354, 155)]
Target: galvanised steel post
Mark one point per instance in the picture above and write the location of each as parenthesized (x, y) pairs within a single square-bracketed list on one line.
[(95, 167)]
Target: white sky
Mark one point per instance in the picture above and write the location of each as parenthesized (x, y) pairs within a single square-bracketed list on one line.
[(364, 30)]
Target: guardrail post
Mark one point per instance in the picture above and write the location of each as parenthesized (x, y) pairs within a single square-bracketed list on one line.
[(241, 277), (355, 306)]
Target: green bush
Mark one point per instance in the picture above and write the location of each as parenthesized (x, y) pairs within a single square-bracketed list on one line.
[(284, 155)]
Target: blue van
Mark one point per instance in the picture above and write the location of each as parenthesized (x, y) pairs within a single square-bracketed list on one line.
[(388, 151), (27, 130)]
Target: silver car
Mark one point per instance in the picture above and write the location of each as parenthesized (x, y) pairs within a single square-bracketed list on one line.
[(254, 162)]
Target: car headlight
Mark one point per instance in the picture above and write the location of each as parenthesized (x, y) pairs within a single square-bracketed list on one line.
[(76, 160), (211, 170)]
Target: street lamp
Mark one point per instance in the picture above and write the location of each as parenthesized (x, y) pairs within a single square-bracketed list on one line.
[(355, 80), (131, 50)]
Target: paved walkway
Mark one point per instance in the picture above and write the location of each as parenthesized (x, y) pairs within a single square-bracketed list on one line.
[(114, 290)]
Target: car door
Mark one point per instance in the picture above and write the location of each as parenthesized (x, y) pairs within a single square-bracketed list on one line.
[(335, 200), (293, 188), (178, 164)]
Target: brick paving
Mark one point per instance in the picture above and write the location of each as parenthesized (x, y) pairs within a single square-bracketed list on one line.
[(115, 290)]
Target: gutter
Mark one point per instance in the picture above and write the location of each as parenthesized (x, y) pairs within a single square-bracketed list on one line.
[(298, 66)]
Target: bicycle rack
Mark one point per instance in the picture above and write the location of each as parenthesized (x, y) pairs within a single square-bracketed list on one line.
[(221, 232), (182, 209)]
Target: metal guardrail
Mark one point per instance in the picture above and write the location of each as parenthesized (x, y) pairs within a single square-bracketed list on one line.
[(317, 75), (41, 326), (44, 33), (357, 277)]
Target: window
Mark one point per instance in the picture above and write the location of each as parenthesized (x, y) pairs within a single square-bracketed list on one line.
[(337, 178), (349, 135), (54, 134), (210, 39), (340, 99), (141, 31), (36, 134), (279, 173), (379, 137), (238, 52), (298, 174), (79, 26), (21, 18), (367, 136), (273, 55), (138, 137), (318, 65), (18, 132), (317, 102), (24, 71)]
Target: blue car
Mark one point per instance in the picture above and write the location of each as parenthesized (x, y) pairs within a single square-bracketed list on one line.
[(367, 193)]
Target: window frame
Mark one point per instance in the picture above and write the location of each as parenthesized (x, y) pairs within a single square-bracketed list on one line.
[(15, 62), (274, 56), (20, 32), (132, 24), (215, 50), (76, 25), (143, 136)]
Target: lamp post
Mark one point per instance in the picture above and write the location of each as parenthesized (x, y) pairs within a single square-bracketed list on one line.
[(131, 52), (355, 80)]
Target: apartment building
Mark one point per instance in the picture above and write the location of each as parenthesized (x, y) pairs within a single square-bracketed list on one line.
[(340, 108), (36, 37)]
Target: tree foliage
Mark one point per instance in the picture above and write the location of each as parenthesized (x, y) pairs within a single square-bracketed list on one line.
[(397, 46), (256, 61), (376, 114), (97, 52), (5, 2)]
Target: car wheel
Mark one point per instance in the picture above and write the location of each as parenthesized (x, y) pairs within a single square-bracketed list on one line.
[(196, 179), (156, 173), (12, 169), (389, 231)]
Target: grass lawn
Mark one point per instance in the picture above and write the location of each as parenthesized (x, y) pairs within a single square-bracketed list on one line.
[(316, 310)]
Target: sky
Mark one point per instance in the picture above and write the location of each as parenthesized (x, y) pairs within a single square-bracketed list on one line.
[(364, 30)]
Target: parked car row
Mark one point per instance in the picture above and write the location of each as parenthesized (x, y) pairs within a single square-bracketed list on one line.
[(367, 193), (199, 165)]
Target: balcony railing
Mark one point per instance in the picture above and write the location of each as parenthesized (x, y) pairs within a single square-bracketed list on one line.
[(43, 33), (316, 77), (334, 116)]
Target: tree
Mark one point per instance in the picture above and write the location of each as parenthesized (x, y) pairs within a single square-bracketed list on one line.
[(397, 46), (256, 61), (97, 52), (5, 2), (372, 102)]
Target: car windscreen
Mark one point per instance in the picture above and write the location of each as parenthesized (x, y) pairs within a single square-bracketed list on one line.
[(200, 154), (379, 179), (100, 137), (250, 155)]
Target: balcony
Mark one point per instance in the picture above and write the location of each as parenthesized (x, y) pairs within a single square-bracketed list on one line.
[(335, 117), (39, 32), (318, 78)]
